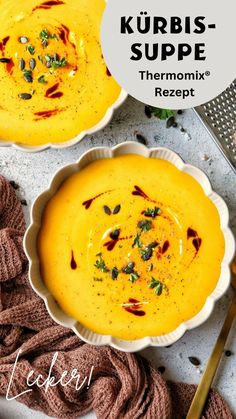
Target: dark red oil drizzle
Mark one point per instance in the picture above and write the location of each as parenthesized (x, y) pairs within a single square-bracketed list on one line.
[(111, 243), (108, 72), (48, 4), (197, 243), (73, 263), (165, 247), (64, 33), (3, 43), (87, 204), (139, 192), (46, 114), (51, 89), (50, 93), (134, 308), (191, 233), (10, 66), (162, 250)]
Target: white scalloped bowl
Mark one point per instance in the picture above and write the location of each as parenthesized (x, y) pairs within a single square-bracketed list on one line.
[(30, 246)]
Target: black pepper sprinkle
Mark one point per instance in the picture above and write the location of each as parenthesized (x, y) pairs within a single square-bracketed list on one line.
[(228, 353), (161, 369), (141, 139), (195, 361), (183, 130), (23, 202), (180, 112), (14, 184)]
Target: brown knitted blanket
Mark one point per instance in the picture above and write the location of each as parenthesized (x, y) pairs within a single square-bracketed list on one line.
[(122, 385)]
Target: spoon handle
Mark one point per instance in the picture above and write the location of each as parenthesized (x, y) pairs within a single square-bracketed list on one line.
[(204, 386)]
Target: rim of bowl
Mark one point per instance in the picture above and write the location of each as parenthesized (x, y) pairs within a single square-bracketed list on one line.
[(69, 143), (30, 247)]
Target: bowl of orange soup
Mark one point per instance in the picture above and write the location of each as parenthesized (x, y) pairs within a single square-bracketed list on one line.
[(129, 247), (55, 86)]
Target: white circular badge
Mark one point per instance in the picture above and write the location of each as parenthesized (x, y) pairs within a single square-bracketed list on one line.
[(172, 54)]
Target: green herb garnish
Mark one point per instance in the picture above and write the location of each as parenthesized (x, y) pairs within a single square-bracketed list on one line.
[(145, 225), (160, 113), (30, 49), (146, 253), (134, 277), (59, 63), (55, 62), (156, 285), (100, 264), (152, 212), (42, 80), (137, 242), (45, 35), (114, 273)]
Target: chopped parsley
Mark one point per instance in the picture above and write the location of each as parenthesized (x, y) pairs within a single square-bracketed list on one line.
[(42, 80), (156, 285), (30, 49), (152, 212), (145, 225), (134, 277), (100, 264), (45, 35), (137, 242)]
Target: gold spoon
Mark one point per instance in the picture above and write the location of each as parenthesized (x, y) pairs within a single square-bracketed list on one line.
[(204, 386)]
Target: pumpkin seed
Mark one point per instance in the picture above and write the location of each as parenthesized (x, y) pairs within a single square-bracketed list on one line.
[(148, 112), (25, 96), (5, 60), (32, 63), (107, 210), (129, 269), (141, 139), (28, 76), (115, 234), (21, 64), (195, 361), (14, 184), (23, 39), (170, 122), (116, 209), (114, 273)]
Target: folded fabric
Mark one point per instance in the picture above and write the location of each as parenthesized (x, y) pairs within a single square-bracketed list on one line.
[(122, 385)]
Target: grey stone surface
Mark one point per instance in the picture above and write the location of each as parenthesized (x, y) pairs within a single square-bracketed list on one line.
[(33, 173)]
